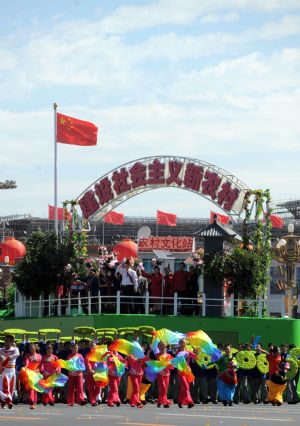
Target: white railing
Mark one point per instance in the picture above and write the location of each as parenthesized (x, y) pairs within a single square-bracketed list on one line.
[(118, 304)]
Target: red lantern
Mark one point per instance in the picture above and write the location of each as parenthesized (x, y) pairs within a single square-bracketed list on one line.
[(125, 248), (11, 250)]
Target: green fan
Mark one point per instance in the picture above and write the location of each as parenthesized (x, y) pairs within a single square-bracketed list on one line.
[(203, 359), (295, 353), (246, 360), (262, 363), (291, 373)]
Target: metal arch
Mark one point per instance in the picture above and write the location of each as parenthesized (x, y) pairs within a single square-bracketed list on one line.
[(146, 160)]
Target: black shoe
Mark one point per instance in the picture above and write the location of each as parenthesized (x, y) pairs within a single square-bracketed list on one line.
[(83, 403), (247, 401), (44, 404), (94, 404), (51, 404), (215, 402), (236, 402), (255, 402), (230, 403), (118, 404), (225, 403), (10, 406), (266, 402), (179, 405), (191, 405), (158, 405), (166, 406)]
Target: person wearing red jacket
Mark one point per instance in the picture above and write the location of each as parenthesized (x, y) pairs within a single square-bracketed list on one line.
[(5, 395), (47, 370), (136, 372), (156, 282), (75, 379), (113, 380), (94, 390), (163, 377), (33, 362)]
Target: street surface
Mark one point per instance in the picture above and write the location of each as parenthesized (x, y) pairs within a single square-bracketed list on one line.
[(150, 415)]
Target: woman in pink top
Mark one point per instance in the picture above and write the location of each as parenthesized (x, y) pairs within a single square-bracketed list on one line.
[(163, 377), (75, 379), (113, 380), (137, 367), (32, 361), (47, 370)]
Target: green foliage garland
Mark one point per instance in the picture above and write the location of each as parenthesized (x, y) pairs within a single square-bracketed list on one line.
[(295, 353), (246, 360), (262, 363), (291, 373)]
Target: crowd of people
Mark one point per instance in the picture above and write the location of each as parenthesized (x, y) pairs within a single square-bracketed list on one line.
[(221, 381), (132, 280)]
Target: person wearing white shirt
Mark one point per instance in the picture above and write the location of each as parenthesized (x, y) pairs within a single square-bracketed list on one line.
[(129, 286)]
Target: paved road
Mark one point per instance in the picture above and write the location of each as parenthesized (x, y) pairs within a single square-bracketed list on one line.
[(150, 415)]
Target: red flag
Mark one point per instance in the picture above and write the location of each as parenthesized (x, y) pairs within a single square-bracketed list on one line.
[(114, 218), (221, 218), (276, 221), (163, 218), (75, 132), (60, 213)]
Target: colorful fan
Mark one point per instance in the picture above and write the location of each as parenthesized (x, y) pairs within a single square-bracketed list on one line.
[(127, 348), (73, 364), (95, 355), (154, 367), (168, 336), (101, 373), (180, 363), (201, 340), (54, 381)]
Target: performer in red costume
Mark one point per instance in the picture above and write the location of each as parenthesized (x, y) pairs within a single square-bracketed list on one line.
[(94, 390), (114, 380), (184, 397), (156, 282), (137, 367), (10, 353), (163, 377), (47, 370), (5, 396), (33, 362), (75, 379)]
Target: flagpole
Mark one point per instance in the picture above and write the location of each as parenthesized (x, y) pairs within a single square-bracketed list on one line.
[(55, 172), (103, 232)]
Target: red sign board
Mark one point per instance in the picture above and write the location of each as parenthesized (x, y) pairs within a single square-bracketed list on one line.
[(180, 244), (157, 173)]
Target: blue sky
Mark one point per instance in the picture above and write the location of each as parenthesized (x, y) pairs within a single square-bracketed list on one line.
[(211, 79)]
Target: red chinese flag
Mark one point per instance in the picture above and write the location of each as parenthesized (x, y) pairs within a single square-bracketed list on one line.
[(114, 218), (60, 213), (276, 221), (75, 132), (221, 218), (163, 218)]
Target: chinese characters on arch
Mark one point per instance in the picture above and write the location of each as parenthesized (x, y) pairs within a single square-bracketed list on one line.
[(160, 173)]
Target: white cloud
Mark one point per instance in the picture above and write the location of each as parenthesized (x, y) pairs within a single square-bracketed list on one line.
[(215, 18)]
